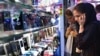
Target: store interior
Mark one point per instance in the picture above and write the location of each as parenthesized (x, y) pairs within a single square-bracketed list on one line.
[(34, 27), (26, 30)]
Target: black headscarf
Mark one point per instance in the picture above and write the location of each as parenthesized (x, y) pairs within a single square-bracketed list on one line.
[(89, 11)]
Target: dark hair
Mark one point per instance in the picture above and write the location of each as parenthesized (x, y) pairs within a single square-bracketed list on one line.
[(89, 11), (97, 8), (68, 12)]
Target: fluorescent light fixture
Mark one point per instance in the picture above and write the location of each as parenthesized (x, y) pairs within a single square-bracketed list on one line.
[(56, 1), (17, 0)]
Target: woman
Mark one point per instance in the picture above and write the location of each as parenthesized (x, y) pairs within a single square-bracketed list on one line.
[(88, 38), (71, 34)]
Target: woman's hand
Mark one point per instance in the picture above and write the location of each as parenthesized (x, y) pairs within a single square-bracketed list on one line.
[(82, 20), (78, 50), (68, 31), (73, 33)]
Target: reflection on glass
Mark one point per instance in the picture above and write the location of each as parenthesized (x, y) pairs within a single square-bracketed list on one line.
[(7, 21), (35, 20)]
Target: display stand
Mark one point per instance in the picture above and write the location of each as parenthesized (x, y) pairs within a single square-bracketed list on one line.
[(39, 41)]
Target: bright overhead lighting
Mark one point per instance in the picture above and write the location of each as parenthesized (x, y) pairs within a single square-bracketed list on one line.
[(17, 1)]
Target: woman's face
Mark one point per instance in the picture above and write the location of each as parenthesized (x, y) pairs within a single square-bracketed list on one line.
[(77, 15), (70, 19)]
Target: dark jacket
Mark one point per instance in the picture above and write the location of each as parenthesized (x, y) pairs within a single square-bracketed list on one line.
[(89, 40), (74, 48)]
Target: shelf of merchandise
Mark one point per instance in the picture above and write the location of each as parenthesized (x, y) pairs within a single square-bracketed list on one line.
[(9, 35), (21, 4), (41, 48)]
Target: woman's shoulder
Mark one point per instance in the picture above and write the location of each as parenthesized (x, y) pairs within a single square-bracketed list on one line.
[(94, 23), (93, 26)]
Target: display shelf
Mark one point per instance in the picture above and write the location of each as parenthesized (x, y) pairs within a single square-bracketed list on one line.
[(8, 36), (20, 4), (32, 53), (43, 46)]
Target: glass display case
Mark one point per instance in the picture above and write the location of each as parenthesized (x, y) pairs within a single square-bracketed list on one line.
[(32, 33)]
